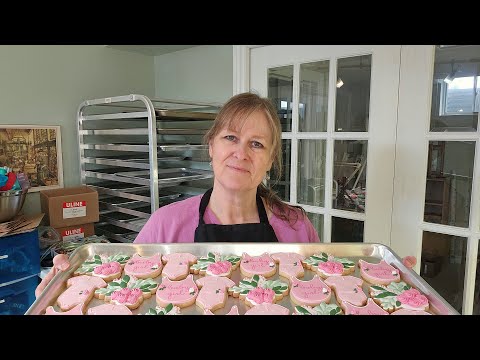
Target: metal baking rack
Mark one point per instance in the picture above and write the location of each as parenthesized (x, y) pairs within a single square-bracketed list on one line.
[(141, 153)]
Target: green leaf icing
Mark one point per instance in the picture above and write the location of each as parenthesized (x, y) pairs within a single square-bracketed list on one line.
[(145, 285), (387, 295), (322, 309), (89, 265), (204, 261), (315, 259), (167, 310), (247, 284)]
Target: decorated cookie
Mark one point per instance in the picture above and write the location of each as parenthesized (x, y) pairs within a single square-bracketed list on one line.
[(410, 312), (107, 268), (77, 310), (213, 292), (378, 274), (370, 309), (348, 288), (268, 309), (109, 309), (170, 309), (327, 265), (233, 311), (310, 292), (144, 267), (180, 293), (80, 290), (398, 295), (290, 264), (257, 290), (128, 291), (215, 265), (322, 309), (257, 265), (178, 265)]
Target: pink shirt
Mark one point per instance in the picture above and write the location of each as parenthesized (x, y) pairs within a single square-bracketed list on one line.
[(176, 223)]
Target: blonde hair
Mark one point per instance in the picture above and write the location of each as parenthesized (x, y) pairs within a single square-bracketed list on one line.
[(232, 115)]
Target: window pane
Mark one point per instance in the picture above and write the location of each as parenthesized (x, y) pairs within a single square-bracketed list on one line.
[(346, 230), (313, 104), (280, 91), (311, 172), (282, 185), (353, 93), (349, 175), (317, 221), (455, 88), (476, 296), (443, 265), (449, 182)]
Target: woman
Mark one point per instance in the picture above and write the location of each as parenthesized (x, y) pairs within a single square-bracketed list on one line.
[(244, 144)]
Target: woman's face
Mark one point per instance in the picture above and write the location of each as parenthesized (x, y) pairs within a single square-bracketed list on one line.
[(241, 157)]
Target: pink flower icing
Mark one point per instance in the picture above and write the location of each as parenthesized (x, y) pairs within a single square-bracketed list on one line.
[(261, 295), (108, 268), (331, 267), (127, 295), (413, 298), (220, 267)]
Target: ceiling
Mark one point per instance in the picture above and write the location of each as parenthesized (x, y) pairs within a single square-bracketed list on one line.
[(152, 50)]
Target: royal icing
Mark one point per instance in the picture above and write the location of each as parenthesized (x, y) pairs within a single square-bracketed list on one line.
[(327, 265), (257, 290), (178, 265), (379, 274), (348, 288), (77, 310), (80, 290), (109, 309), (213, 292), (370, 309), (181, 293), (215, 264), (268, 309), (321, 309), (257, 265), (144, 267), (398, 295), (311, 292), (233, 311), (290, 264), (170, 309), (410, 312), (109, 266)]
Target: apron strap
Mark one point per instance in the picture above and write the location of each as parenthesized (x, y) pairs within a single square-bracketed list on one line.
[(262, 214)]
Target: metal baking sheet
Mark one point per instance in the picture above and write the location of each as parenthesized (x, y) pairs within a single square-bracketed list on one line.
[(367, 252), (169, 176)]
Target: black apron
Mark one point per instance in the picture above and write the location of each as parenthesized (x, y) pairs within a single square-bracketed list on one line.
[(253, 232)]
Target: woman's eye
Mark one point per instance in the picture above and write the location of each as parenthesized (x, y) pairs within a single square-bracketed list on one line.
[(230, 137), (256, 144)]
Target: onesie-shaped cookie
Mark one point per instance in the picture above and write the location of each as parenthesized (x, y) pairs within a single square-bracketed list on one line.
[(144, 267), (268, 309), (290, 264), (398, 295), (410, 312), (327, 265), (213, 292), (109, 309), (107, 268), (233, 311), (348, 288), (77, 310), (322, 309), (80, 290), (215, 264), (128, 291), (180, 293), (257, 265), (178, 265), (257, 290), (370, 309), (311, 292), (378, 274), (170, 309)]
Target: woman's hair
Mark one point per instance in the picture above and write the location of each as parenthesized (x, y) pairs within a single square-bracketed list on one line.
[(232, 115)]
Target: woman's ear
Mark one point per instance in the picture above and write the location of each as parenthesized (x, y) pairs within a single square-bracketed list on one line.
[(210, 149)]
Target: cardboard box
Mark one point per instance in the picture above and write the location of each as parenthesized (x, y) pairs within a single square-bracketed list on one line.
[(69, 206), (76, 232)]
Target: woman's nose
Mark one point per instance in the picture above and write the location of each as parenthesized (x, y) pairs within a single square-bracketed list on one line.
[(241, 151)]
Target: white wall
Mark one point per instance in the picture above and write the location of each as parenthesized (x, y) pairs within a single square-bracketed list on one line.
[(44, 85), (201, 73)]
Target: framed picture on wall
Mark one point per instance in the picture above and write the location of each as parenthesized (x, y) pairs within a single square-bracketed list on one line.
[(35, 151)]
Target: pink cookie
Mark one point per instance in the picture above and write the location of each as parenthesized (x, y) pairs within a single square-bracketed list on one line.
[(348, 288), (80, 290), (213, 292), (215, 264), (328, 265), (378, 274), (107, 268), (257, 265), (178, 265), (109, 309), (410, 312), (370, 309), (311, 292), (144, 267), (180, 293), (257, 290), (290, 264), (398, 295), (268, 309), (233, 311), (77, 310)]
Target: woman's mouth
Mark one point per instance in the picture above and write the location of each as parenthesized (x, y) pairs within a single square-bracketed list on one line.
[(236, 168)]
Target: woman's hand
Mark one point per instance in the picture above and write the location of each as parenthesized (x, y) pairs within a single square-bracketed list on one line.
[(60, 263), (409, 261)]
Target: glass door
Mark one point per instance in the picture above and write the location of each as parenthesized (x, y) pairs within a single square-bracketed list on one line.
[(338, 109)]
